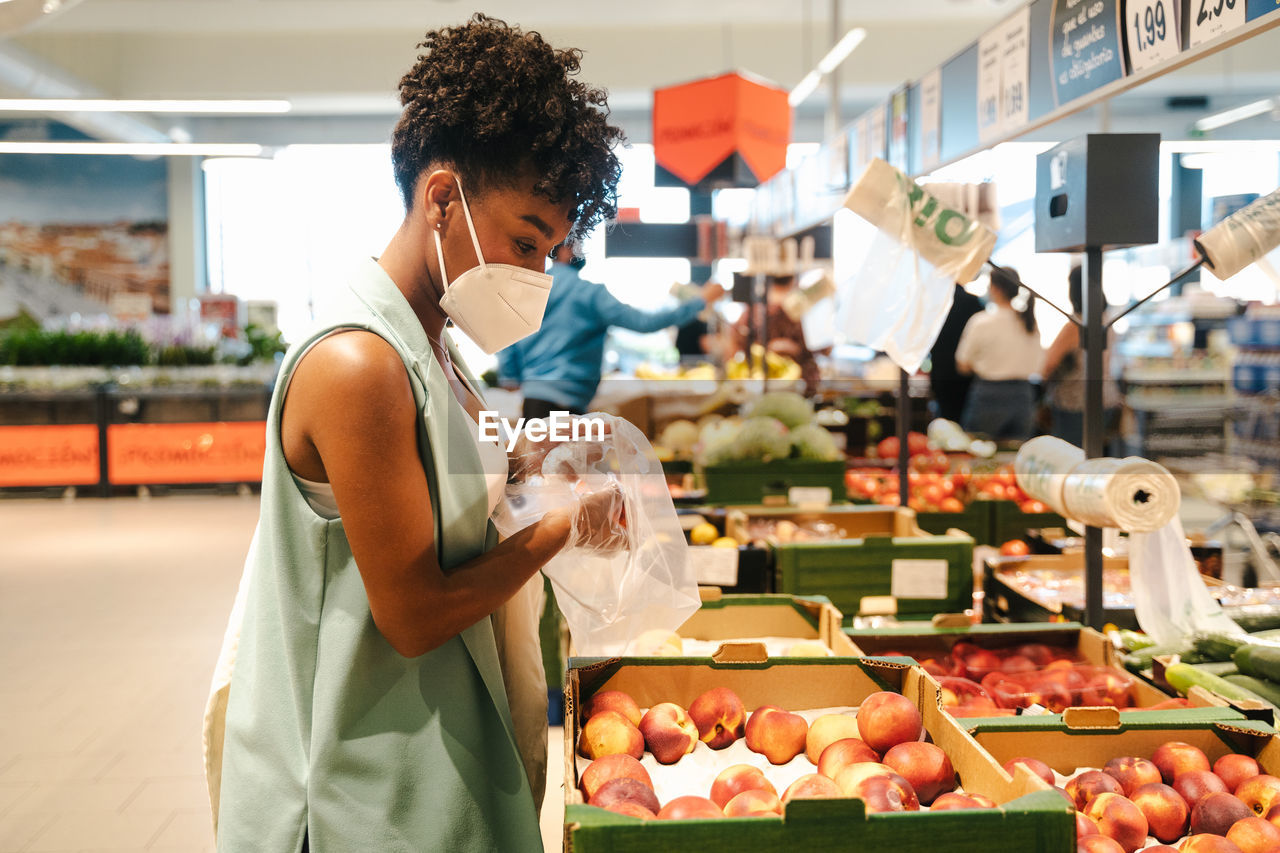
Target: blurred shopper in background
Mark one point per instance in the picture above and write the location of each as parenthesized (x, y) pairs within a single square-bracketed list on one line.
[(784, 335), (558, 367), (950, 387), (381, 686), (1001, 348), (1065, 380)]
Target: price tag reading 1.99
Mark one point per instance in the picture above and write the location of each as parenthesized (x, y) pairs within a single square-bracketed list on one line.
[(1151, 29)]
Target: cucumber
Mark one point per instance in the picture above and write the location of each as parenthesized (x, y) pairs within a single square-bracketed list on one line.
[(1254, 617), (1183, 676), (1141, 659), (1134, 640), (1259, 660), (1269, 634), (1217, 645), (1268, 690), (1220, 668)]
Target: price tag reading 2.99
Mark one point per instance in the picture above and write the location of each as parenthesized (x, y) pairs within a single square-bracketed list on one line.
[(1151, 30)]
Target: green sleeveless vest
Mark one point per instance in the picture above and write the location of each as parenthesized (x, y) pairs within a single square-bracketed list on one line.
[(329, 731)]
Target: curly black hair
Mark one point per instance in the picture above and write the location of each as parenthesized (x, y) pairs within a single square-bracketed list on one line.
[(500, 105)]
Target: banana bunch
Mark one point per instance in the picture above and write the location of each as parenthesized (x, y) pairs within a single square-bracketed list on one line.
[(777, 366)]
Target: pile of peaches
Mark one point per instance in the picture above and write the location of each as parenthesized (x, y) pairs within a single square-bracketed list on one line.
[(1229, 807), (986, 682), (876, 755)]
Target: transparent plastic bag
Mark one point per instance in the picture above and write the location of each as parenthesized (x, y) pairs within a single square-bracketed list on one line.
[(625, 570), (1245, 236), (1170, 599)]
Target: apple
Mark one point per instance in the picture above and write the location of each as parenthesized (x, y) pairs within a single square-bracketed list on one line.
[(736, 779), (611, 767), (610, 733), (719, 716), (887, 719), (1119, 819), (776, 734), (1164, 808), (925, 766), (668, 732)]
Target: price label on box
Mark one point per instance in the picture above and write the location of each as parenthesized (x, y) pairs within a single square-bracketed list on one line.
[(1151, 30), (714, 566), (809, 496), (918, 579), (1212, 18)]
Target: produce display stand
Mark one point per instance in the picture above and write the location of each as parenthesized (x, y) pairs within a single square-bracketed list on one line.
[(1029, 815)]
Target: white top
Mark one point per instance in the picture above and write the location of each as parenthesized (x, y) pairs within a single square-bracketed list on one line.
[(996, 346), (493, 459)]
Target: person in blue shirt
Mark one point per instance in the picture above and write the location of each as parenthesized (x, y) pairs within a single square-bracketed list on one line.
[(558, 367)]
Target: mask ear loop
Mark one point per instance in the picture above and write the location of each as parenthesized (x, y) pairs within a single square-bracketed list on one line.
[(466, 211), (444, 277)]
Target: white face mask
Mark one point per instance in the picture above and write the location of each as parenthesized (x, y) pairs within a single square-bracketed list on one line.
[(493, 304)]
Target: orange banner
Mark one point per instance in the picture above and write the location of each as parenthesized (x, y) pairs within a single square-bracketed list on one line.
[(229, 452), (49, 455)]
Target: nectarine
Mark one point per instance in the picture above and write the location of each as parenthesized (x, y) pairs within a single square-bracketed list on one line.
[(813, 786), (610, 733), (887, 719), (1035, 765), (1215, 813), (1164, 808), (689, 807), (1175, 758), (842, 753), (754, 803), (1119, 819), (828, 729), (776, 734), (736, 779), (925, 766), (1253, 835), (668, 732), (611, 767), (719, 716)]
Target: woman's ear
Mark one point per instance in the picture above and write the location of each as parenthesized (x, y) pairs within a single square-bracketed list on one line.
[(436, 190)]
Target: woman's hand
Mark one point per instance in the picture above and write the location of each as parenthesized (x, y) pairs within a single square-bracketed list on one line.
[(596, 520), (526, 458)]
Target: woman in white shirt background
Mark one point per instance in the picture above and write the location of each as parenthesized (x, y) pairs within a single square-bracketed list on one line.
[(1001, 348)]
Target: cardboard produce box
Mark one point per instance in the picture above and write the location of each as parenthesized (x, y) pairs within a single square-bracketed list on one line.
[(884, 557), (1007, 598), (926, 642), (1029, 817), (780, 621)]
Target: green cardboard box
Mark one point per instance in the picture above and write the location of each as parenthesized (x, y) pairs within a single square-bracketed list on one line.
[(1029, 817)]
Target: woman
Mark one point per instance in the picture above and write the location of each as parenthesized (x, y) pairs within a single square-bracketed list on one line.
[(785, 334), (1001, 349), (367, 708), (1064, 376)]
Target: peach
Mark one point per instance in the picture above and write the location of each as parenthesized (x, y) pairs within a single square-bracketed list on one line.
[(1234, 768), (754, 803), (925, 766), (842, 753), (668, 732), (1085, 825), (736, 779), (611, 767), (1132, 773), (1208, 843), (1062, 793), (1090, 784), (851, 775), (884, 792), (719, 716), (954, 800), (828, 729), (776, 734), (1106, 688), (1039, 653), (980, 662), (610, 733), (983, 800), (689, 807), (1119, 819), (613, 700), (1175, 758), (813, 786), (1015, 664), (888, 719), (1194, 784), (1164, 808), (1272, 814), (1035, 765), (624, 789), (1253, 835), (631, 810), (1215, 813), (1259, 793), (1098, 844)]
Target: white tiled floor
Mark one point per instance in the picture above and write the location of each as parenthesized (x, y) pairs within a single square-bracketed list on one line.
[(111, 614)]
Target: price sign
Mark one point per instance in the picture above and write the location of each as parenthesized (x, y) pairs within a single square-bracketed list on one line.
[(931, 118), (1212, 18), (989, 66), (1151, 29), (1015, 69)]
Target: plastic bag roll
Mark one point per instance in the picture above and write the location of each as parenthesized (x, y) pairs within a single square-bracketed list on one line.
[(1131, 494), (951, 242), (1243, 237)]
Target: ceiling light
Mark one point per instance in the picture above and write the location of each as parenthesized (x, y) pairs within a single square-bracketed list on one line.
[(839, 53), (105, 105), (136, 149), (1236, 114)]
